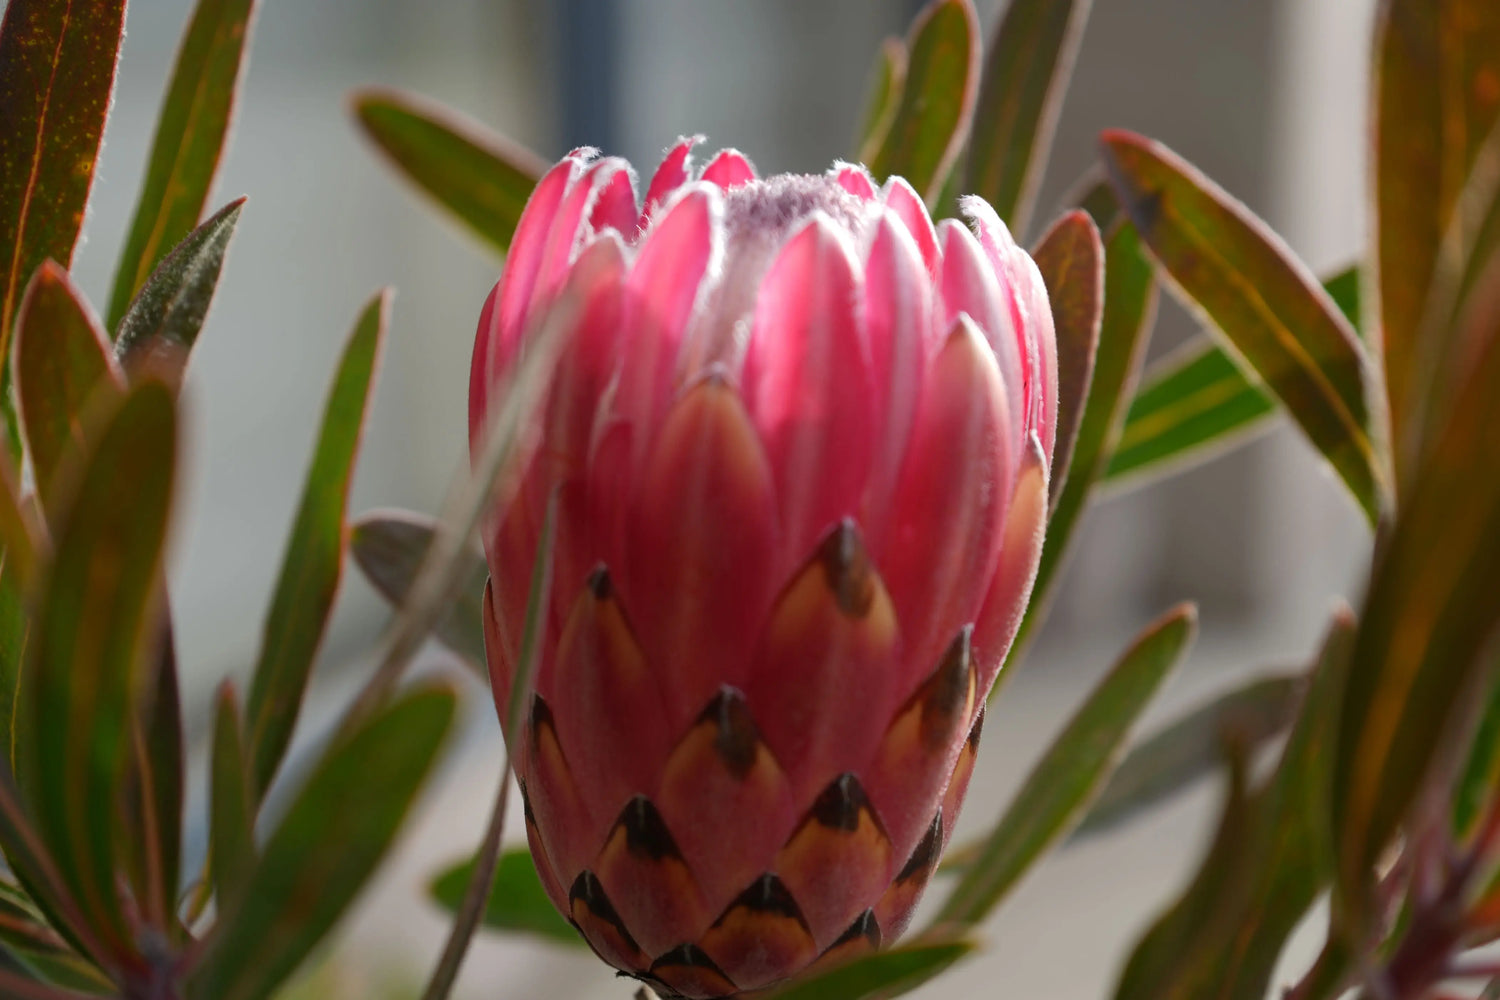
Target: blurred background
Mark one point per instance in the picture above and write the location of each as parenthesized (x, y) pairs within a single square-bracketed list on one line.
[(1268, 97)]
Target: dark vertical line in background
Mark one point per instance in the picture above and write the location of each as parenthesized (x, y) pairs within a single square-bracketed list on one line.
[(588, 57)]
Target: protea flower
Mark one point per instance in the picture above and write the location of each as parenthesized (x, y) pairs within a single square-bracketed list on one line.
[(798, 442)]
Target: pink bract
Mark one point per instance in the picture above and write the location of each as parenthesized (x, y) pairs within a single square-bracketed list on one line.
[(799, 441)]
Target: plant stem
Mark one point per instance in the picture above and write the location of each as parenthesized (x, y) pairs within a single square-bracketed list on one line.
[(475, 895)]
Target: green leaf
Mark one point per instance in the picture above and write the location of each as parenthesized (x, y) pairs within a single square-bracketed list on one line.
[(153, 789), (932, 120), (334, 835), (1192, 405), (1479, 780), (479, 177), (389, 547), (1470, 243), (1436, 99), (1247, 717), (1129, 311), (1060, 785), (1273, 316), (1194, 402), (38, 950), (492, 484), (190, 138), (517, 901), (62, 361), (314, 558), (1266, 866), (31, 863), (1343, 288), (15, 625), (161, 326), (889, 78), (231, 807), (880, 974), (22, 544), (1071, 260), (92, 627), (1428, 613), (57, 73), (1025, 79)]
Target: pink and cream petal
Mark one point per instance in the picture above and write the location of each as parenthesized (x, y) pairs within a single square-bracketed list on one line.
[(698, 577), (1020, 553), (660, 295), (907, 204), (968, 286), (856, 180), (826, 665), (898, 324), (1031, 317), (653, 890), (674, 172), (949, 511), (724, 793), (729, 169), (808, 387), (607, 702), (912, 767)]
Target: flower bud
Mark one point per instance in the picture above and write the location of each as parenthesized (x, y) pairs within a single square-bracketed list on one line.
[(798, 440)]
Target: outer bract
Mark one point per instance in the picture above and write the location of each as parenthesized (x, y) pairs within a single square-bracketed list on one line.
[(799, 444)]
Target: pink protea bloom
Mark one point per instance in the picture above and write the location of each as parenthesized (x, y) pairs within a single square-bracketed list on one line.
[(798, 441)]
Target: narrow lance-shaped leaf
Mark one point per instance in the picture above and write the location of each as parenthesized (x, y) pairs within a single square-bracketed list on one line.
[(91, 631), (516, 901), (314, 558), (190, 138), (231, 808), (479, 177), (888, 80), (1061, 784), (39, 950), (1277, 321), (881, 974), (1191, 747), (161, 326), (932, 119), (34, 868), (62, 360), (1436, 98), (1428, 613), (1195, 402), (15, 630), (1071, 261), (1472, 239), (1192, 405), (1025, 79), (1129, 311), (23, 539), (334, 835), (151, 790), (57, 72), (1267, 865), (21, 543), (389, 547), (491, 485), (1170, 760), (1479, 779)]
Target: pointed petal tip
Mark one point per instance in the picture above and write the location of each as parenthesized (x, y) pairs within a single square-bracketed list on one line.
[(854, 178), (729, 169)]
